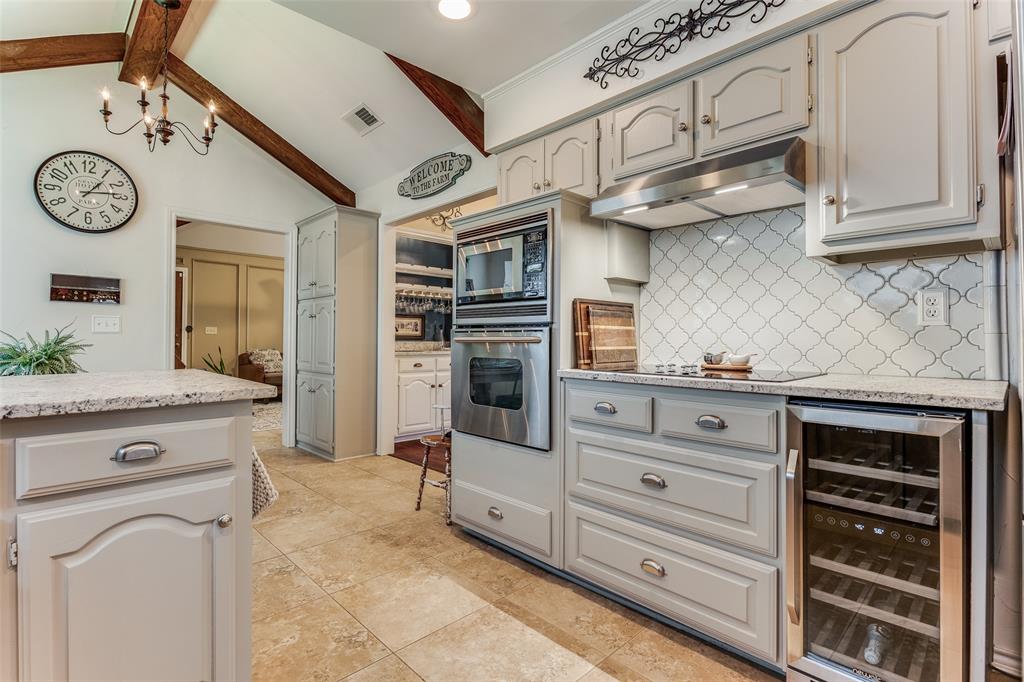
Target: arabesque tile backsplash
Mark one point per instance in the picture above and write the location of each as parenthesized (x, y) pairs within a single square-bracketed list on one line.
[(743, 284)]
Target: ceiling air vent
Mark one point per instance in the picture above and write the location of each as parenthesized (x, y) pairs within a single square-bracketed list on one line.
[(362, 119)]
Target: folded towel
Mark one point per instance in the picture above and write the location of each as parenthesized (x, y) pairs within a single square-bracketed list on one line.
[(264, 494)]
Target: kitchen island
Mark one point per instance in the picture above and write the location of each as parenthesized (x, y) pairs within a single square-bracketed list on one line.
[(125, 503)]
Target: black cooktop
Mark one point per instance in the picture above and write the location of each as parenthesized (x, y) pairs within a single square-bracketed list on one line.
[(756, 374)]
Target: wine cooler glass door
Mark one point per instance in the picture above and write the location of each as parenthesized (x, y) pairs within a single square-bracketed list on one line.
[(876, 548)]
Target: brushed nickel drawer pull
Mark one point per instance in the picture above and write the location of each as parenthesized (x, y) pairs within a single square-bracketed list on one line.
[(652, 567), (140, 449), (495, 513), (710, 421), (605, 407), (653, 480)]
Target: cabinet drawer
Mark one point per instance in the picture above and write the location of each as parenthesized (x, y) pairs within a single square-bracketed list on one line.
[(712, 422), (723, 497), (512, 519), (45, 465), (631, 412), (721, 594), (417, 364)]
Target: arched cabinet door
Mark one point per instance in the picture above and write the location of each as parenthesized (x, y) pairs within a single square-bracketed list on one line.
[(326, 257), (754, 97), (896, 120), (306, 264), (570, 159), (416, 394), (654, 131), (520, 172), (137, 587), (305, 325)]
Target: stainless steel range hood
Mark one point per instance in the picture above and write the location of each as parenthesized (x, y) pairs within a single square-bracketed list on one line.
[(755, 179)]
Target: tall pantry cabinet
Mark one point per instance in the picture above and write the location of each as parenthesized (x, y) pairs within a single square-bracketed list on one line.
[(336, 333)]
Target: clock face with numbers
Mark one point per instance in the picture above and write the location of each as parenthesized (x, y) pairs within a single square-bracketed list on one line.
[(86, 192)]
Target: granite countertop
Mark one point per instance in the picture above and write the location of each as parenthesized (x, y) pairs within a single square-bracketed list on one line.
[(41, 396), (968, 394), (444, 351)]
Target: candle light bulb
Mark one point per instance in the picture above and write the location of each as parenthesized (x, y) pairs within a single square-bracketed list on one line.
[(148, 120), (105, 94), (212, 108), (143, 84)]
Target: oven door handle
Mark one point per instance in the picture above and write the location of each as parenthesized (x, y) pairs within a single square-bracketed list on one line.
[(499, 339)]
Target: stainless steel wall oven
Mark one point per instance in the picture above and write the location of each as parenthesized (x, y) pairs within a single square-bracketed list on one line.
[(876, 507)]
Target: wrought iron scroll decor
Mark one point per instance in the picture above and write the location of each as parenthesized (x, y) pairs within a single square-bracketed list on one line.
[(705, 20)]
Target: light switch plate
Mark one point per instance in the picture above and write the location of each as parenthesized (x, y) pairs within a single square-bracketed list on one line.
[(211, 330), (933, 307), (106, 324)]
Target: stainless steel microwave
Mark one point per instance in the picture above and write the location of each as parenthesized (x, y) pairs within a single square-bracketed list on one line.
[(507, 265)]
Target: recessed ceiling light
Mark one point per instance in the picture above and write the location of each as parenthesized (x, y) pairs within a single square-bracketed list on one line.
[(454, 9)]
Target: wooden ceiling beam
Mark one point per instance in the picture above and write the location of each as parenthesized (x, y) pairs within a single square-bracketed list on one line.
[(451, 100), (146, 45), (46, 53), (232, 113)]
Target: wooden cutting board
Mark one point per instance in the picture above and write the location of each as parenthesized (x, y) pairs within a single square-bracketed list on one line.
[(608, 341)]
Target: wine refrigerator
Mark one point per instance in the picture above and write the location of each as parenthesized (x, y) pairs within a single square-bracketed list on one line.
[(876, 517)]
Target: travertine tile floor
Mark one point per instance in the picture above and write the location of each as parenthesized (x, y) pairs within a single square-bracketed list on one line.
[(350, 583)]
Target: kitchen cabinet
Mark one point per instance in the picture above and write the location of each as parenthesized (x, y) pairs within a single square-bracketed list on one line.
[(565, 159), (170, 615), (521, 172), (315, 262), (424, 382), (336, 336), (314, 410), (416, 403), (570, 159), (754, 97), (896, 120), (654, 131)]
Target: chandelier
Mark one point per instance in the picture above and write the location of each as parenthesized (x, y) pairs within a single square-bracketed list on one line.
[(443, 218), (162, 127)]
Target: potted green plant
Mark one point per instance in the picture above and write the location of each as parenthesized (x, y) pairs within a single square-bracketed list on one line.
[(54, 355), (217, 366)]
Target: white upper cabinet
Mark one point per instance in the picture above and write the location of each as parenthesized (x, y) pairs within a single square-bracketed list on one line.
[(316, 258), (140, 586), (521, 172), (306, 265), (305, 324), (654, 131), (999, 18), (896, 127), (323, 336), (754, 97), (570, 159)]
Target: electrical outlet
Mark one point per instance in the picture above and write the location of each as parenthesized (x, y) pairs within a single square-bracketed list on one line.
[(106, 324), (933, 307)]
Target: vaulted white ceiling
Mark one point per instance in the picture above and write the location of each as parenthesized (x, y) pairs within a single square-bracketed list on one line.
[(501, 39), (299, 76)]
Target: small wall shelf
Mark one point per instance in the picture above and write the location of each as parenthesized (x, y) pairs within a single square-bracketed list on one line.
[(427, 270), (423, 290)]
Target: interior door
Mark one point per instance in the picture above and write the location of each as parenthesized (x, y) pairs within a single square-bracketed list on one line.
[(179, 318), (323, 336), (654, 131), (305, 334), (83, 616), (520, 172), (754, 97), (415, 402), (896, 119), (325, 260), (570, 158), (215, 304)]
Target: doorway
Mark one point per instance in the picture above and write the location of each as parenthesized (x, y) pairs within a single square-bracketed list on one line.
[(232, 308)]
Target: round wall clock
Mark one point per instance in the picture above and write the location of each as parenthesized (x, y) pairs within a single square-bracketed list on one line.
[(86, 192)]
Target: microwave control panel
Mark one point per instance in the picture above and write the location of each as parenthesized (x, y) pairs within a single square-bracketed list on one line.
[(535, 261)]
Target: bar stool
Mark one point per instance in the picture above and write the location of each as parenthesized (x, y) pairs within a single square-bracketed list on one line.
[(429, 442)]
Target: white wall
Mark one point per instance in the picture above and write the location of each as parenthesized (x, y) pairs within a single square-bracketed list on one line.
[(217, 237), (47, 111), (555, 90)]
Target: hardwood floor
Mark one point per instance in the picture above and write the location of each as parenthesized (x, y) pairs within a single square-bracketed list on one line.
[(412, 451)]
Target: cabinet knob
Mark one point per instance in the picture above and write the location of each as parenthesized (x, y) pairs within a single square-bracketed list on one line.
[(417, 364), (309, 284), (495, 513), (652, 567), (311, 315), (547, 183), (683, 127), (829, 200), (536, 185), (705, 119), (224, 520)]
